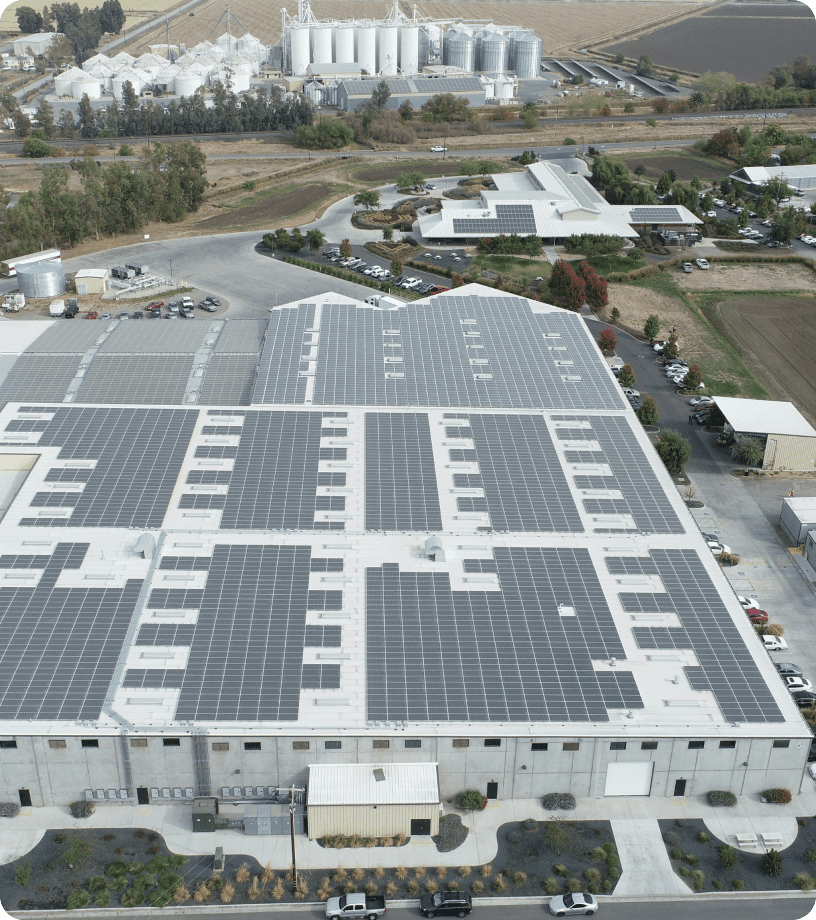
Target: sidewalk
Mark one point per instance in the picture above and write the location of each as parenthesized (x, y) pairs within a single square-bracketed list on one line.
[(646, 869)]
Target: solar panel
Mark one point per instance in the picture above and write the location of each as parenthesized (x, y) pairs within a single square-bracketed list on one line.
[(510, 218), (657, 215), (124, 378), (39, 377), (279, 379), (241, 336), (229, 380), (145, 338), (67, 338)]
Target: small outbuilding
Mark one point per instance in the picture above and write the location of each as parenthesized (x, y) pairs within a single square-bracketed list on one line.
[(373, 800), (798, 517), (35, 44), (92, 280), (790, 440)]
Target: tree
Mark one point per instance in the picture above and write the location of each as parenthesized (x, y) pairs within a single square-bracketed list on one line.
[(379, 98), (406, 110), (696, 101), (619, 58), (35, 145), (747, 450), (326, 135), (651, 123), (629, 107), (282, 238), (29, 21), (651, 327), (407, 181), (664, 184), (673, 450), (777, 188), (111, 16), (369, 198), (787, 223), (626, 377), (560, 276), (693, 378), (84, 33), (445, 107), (607, 341), (316, 239), (87, 117), (345, 249), (396, 267), (388, 234), (671, 349), (45, 116), (457, 280), (296, 240), (645, 66), (647, 413)]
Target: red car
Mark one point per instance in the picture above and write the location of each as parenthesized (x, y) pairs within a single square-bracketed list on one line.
[(155, 305), (91, 315), (755, 615), (439, 290)]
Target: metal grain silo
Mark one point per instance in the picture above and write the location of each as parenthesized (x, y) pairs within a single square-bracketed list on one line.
[(387, 50), (367, 48), (41, 279), (459, 50), (344, 44), (322, 45), (525, 54), (299, 49), (409, 49), (495, 53), (430, 44), (186, 83)]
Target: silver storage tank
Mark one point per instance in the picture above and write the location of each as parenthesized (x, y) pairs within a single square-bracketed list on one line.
[(459, 50), (525, 54), (495, 54), (41, 279)]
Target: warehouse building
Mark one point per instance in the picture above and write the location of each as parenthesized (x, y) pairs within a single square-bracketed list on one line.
[(416, 90), (755, 177), (435, 539), (36, 44), (548, 202), (790, 440)]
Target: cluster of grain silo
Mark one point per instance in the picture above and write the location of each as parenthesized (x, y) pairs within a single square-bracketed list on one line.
[(398, 45)]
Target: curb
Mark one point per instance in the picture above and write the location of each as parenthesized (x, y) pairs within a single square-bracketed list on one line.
[(477, 902)]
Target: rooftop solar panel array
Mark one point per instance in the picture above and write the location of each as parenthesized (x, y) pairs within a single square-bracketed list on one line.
[(400, 484), (67, 338), (659, 215), (497, 656), (229, 380), (434, 349), (39, 378), (510, 218), (138, 454), (145, 379), (135, 338), (727, 668), (241, 337), (59, 646)]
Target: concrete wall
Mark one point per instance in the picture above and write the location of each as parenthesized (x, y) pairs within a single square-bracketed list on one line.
[(60, 776)]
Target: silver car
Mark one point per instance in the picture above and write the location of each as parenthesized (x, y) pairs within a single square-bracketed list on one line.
[(573, 904)]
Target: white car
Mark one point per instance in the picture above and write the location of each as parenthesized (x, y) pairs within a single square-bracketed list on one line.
[(438, 149), (774, 643), (700, 402), (719, 548), (573, 904), (797, 684), (747, 602), (711, 214), (702, 263)]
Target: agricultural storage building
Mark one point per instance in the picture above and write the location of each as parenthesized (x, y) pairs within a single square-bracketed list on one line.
[(35, 44), (373, 799), (548, 202), (416, 90), (755, 177), (92, 280), (790, 440), (440, 542), (334, 71)]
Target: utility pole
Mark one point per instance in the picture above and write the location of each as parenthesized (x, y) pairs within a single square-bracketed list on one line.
[(292, 831)]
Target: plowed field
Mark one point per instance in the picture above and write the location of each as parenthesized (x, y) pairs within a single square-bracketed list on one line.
[(268, 210)]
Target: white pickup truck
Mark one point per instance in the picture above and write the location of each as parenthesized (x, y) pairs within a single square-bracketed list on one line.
[(356, 904)]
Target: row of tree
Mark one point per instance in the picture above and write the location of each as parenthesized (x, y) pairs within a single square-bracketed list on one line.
[(83, 28), (118, 198), (577, 286), (511, 245), (295, 240)]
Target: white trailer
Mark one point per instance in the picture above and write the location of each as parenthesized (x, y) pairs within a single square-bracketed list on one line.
[(9, 267)]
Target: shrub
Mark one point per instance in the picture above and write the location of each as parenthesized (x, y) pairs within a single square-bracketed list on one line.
[(728, 856), (97, 883), (592, 875), (685, 871), (529, 824), (719, 798), (575, 884), (737, 884), (477, 887), (119, 883), (613, 872), (431, 886), (676, 853), (810, 855), (391, 890), (102, 899), (718, 886), (242, 875), (554, 801), (703, 837), (607, 341), (552, 886), (278, 890), (520, 878), (772, 862), (471, 800), (669, 837), (698, 878), (778, 796), (486, 871), (691, 859), (598, 854), (82, 810), (182, 894), (9, 809), (23, 873), (159, 864), (464, 871), (177, 861), (515, 837), (77, 899), (804, 881)]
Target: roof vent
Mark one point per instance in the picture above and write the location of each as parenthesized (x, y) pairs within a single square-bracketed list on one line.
[(434, 549), (379, 774), (145, 546)]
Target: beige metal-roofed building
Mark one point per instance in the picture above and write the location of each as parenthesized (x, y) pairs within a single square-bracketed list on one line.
[(373, 800), (790, 438)]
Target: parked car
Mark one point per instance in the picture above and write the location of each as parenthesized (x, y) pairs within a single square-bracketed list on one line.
[(700, 402), (718, 548), (446, 904), (702, 263), (746, 602), (573, 904), (805, 699), (186, 313), (687, 268), (172, 308), (788, 669), (155, 304), (438, 149), (812, 770), (207, 305), (106, 316), (171, 316), (774, 643), (92, 314), (430, 186), (213, 300), (138, 314), (797, 684), (757, 616), (123, 315)]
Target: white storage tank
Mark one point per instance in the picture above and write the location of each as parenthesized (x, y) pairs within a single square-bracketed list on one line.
[(367, 48), (409, 49), (86, 85), (459, 50), (525, 54), (322, 45), (299, 48), (344, 45), (64, 79), (387, 50), (495, 53), (41, 279), (186, 83)]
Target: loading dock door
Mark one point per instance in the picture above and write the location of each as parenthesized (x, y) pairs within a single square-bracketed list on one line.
[(629, 778)]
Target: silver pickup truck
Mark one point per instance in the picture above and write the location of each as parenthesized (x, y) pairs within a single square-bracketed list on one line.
[(356, 904)]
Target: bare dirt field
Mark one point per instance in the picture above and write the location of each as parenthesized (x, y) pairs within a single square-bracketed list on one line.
[(268, 210), (389, 173), (759, 36), (560, 24), (777, 336), (766, 277), (685, 168)]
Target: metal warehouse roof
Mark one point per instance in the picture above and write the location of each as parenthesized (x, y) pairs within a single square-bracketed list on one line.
[(764, 416), (358, 784), (400, 86)]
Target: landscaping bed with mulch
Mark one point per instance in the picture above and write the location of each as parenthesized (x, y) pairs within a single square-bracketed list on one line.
[(692, 849), (129, 867)]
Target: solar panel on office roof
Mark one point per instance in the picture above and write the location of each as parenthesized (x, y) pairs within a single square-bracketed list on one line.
[(656, 215)]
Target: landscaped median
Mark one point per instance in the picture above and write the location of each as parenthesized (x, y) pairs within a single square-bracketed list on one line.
[(350, 276)]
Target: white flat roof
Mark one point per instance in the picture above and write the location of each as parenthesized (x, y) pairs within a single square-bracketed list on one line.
[(92, 273), (764, 416), (802, 506), (358, 784), (17, 336)]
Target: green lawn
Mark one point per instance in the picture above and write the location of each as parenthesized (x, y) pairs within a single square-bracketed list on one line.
[(609, 265), (516, 268)]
